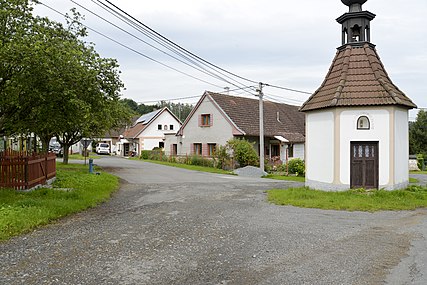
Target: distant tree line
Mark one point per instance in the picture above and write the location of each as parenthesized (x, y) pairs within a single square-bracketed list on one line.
[(418, 134), (180, 110), (52, 82)]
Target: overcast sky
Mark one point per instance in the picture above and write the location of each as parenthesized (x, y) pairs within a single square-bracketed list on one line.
[(285, 43)]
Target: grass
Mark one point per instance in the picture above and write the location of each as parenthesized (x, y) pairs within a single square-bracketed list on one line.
[(191, 167), (78, 156), (283, 177), (418, 172), (353, 200), (22, 212), (413, 180)]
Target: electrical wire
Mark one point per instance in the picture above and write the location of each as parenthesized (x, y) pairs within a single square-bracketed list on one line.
[(131, 49)]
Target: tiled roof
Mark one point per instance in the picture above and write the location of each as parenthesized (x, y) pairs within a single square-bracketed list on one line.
[(356, 78), (279, 119)]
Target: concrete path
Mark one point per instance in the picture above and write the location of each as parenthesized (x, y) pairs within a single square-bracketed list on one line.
[(173, 226)]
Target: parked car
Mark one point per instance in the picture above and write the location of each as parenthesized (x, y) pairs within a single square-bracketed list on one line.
[(57, 149), (102, 148)]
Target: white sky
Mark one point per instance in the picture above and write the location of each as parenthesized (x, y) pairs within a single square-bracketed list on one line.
[(286, 43)]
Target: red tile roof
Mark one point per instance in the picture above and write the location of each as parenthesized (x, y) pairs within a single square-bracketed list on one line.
[(357, 78), (279, 119)]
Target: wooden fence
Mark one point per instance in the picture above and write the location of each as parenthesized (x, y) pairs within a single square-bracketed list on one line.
[(22, 170)]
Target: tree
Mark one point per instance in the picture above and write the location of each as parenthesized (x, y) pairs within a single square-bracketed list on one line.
[(418, 134), (60, 86), (243, 152)]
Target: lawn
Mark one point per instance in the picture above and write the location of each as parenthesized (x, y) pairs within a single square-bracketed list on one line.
[(353, 200), (191, 167), (418, 172), (283, 177), (74, 190), (81, 157)]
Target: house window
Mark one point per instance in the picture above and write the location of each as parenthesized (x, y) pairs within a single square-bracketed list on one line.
[(161, 144), (363, 123), (290, 150), (159, 127), (275, 150), (205, 120), (211, 149), (171, 127), (197, 149), (165, 127)]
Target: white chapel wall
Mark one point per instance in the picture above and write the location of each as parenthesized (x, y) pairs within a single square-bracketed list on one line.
[(379, 131), (401, 150), (320, 147)]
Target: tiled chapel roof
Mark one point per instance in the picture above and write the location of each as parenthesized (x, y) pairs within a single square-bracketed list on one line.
[(356, 78)]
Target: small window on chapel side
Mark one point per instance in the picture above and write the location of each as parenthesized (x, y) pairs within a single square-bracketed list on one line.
[(363, 123)]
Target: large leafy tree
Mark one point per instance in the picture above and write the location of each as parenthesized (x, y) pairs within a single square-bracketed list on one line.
[(418, 134), (62, 87)]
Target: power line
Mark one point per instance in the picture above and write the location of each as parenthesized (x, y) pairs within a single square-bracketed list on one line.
[(131, 49), (168, 44)]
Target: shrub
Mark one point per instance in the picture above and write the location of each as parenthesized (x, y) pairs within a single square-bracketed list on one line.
[(296, 166), (420, 162), (222, 158), (243, 152), (200, 161), (145, 154)]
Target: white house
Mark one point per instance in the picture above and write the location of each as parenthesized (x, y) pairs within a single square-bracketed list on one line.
[(148, 132), (217, 118), (357, 121)]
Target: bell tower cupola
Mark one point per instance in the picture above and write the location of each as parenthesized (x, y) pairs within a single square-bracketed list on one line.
[(356, 23)]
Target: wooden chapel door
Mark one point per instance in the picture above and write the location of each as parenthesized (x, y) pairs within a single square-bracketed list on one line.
[(364, 165)]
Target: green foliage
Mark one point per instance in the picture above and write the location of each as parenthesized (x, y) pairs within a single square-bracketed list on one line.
[(296, 166), (353, 200), (155, 154), (182, 164), (222, 158), (418, 134), (23, 211), (284, 177), (54, 82), (243, 152), (421, 162)]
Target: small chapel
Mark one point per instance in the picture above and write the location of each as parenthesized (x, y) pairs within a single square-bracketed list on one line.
[(357, 120)]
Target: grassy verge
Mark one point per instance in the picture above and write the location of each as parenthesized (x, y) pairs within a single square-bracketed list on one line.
[(352, 200), (413, 180), (190, 167), (418, 172), (283, 177), (81, 157), (21, 212)]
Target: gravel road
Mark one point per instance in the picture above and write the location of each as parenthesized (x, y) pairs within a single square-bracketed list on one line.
[(173, 226)]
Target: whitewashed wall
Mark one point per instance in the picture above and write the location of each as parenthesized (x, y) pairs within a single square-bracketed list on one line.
[(401, 150), (379, 131), (220, 132), (319, 143), (151, 136)]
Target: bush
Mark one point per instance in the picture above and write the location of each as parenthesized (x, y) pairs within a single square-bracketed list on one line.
[(200, 161), (420, 162), (296, 166), (222, 158), (145, 154), (243, 152)]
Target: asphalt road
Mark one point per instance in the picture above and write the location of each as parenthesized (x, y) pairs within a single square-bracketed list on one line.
[(173, 226)]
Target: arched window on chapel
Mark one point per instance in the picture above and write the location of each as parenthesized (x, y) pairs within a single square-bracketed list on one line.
[(363, 123)]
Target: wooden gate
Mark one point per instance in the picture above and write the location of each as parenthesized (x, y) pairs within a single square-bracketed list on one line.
[(364, 165)]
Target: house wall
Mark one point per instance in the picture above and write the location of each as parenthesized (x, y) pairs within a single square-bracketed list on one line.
[(152, 136), (219, 132), (401, 148), (320, 145), (299, 150), (379, 131), (328, 138)]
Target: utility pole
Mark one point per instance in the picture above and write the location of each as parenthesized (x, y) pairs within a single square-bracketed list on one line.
[(261, 127)]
